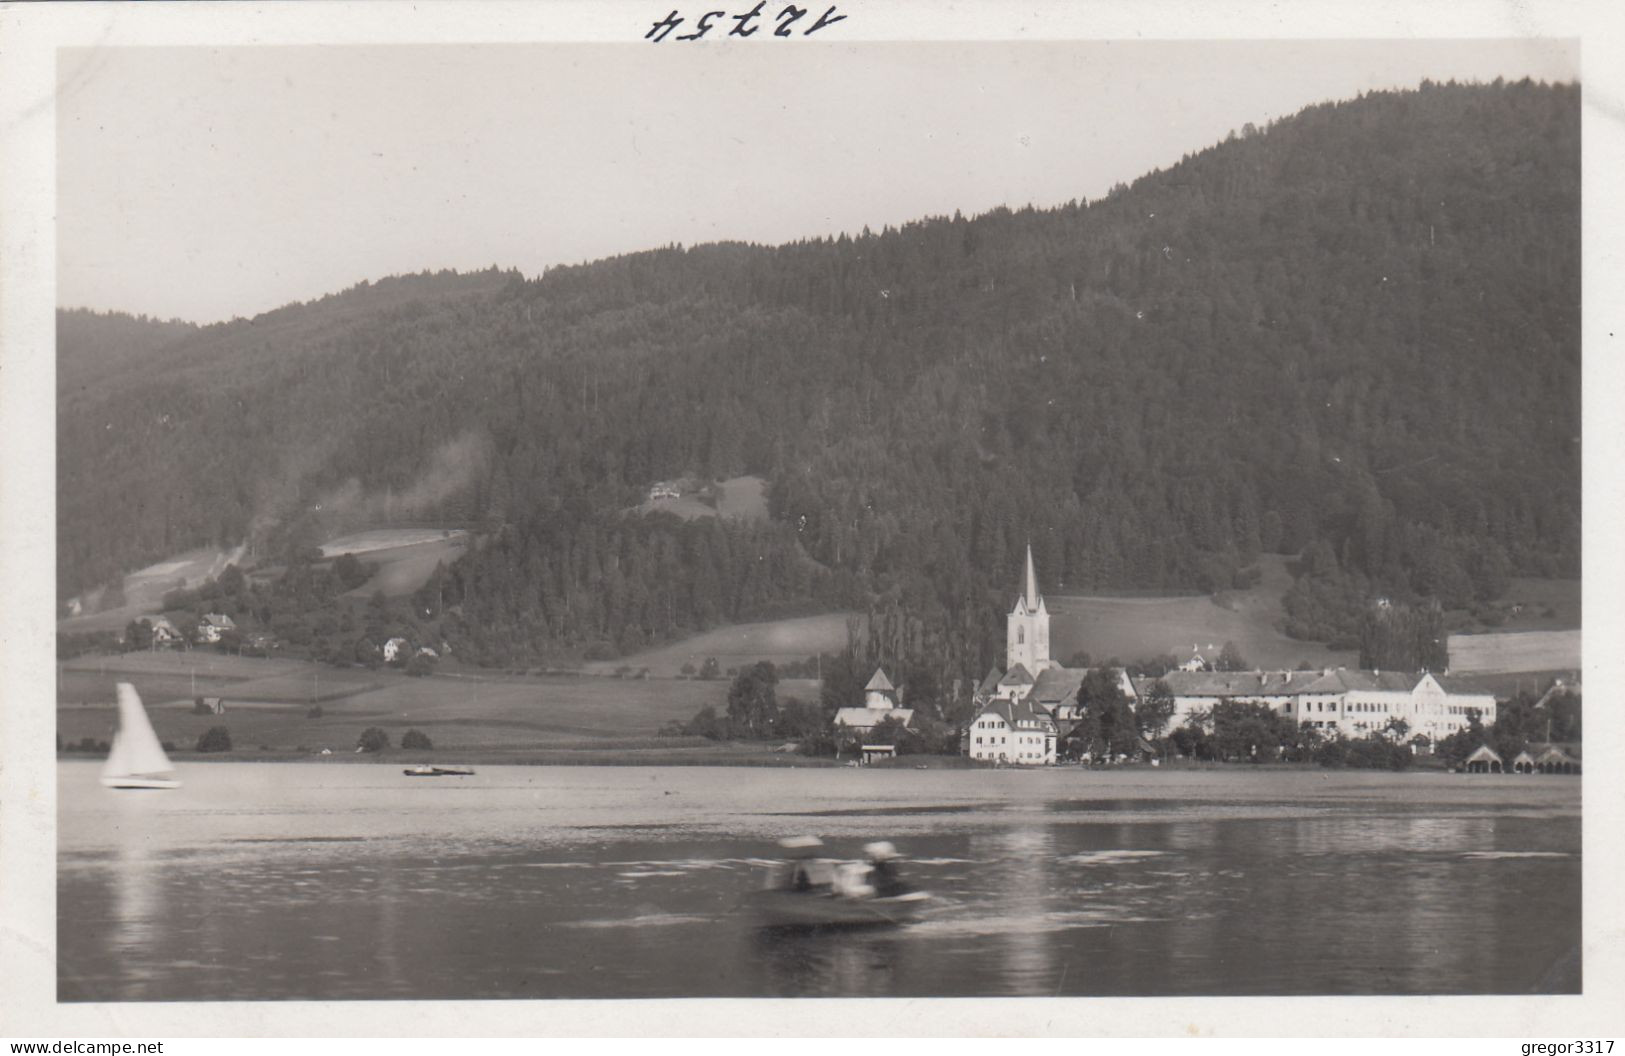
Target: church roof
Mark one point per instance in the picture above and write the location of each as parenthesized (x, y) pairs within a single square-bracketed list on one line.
[(880, 682), (1278, 683), (1055, 685), (1017, 676), (991, 682)]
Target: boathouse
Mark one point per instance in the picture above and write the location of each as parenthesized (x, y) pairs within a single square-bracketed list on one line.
[(1483, 761)]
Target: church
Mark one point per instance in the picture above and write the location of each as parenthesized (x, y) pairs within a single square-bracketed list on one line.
[(1024, 711)]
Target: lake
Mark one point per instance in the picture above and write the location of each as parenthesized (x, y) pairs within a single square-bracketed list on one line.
[(348, 880)]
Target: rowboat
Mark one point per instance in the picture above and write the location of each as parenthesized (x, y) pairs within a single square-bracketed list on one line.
[(807, 890), (802, 909), (439, 771)]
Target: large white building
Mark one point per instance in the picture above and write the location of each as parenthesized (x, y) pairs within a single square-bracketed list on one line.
[(1009, 731), (1352, 703)]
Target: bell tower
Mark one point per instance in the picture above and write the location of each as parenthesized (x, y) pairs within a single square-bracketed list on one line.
[(1026, 635)]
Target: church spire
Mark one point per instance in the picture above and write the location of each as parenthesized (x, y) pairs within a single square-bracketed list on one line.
[(1032, 582)]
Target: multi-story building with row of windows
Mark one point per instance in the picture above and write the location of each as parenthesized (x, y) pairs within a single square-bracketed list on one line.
[(1352, 703)]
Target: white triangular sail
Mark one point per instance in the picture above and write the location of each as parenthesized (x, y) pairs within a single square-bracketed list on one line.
[(137, 752)]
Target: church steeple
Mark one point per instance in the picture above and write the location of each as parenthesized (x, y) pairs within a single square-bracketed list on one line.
[(1027, 628)]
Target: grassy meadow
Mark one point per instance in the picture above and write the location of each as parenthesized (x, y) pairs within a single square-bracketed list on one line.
[(738, 645), (268, 701), (1515, 651), (737, 497), (1131, 628), (404, 565)]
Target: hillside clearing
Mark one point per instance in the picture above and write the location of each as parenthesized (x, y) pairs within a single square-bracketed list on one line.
[(742, 497), (403, 569), (1516, 651), (144, 589), (1136, 628), (745, 643), (386, 539)]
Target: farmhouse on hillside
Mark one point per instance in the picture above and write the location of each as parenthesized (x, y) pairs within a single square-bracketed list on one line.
[(164, 632), (213, 625)]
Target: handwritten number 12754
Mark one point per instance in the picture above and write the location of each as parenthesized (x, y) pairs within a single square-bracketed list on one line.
[(744, 25)]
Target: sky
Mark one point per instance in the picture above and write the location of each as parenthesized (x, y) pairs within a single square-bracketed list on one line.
[(204, 183)]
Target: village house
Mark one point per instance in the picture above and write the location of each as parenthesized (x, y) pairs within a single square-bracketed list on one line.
[(395, 649), (879, 704), (1015, 732)]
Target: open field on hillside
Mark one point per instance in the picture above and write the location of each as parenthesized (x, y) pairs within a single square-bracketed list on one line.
[(144, 589), (1517, 651), (739, 497), (1135, 628), (385, 539), (1544, 605), (267, 703), (745, 643), (403, 569)]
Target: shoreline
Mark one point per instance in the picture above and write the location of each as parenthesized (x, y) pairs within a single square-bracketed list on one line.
[(767, 760)]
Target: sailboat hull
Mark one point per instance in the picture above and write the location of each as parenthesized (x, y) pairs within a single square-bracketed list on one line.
[(140, 782)]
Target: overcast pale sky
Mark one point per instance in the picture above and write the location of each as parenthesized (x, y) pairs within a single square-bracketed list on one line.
[(203, 183)]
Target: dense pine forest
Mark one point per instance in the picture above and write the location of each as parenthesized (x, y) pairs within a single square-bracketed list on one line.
[(1353, 335)]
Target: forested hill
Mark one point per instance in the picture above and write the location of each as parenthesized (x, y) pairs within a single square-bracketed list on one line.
[(1354, 333)]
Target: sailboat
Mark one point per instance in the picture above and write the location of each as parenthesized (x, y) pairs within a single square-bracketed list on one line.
[(137, 759)]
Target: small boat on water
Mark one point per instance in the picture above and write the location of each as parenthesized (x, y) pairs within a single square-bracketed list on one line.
[(137, 759), (439, 771), (808, 890)]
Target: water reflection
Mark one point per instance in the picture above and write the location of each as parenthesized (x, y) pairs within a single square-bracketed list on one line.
[(827, 963), (161, 899)]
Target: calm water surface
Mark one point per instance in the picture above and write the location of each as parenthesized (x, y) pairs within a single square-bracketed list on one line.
[(328, 881)]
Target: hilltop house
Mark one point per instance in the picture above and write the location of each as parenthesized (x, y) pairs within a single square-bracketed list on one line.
[(879, 704)]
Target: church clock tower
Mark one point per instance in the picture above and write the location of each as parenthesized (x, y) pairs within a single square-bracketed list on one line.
[(1026, 636)]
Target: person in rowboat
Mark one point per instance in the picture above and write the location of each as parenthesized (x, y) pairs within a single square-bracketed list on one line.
[(883, 870)]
